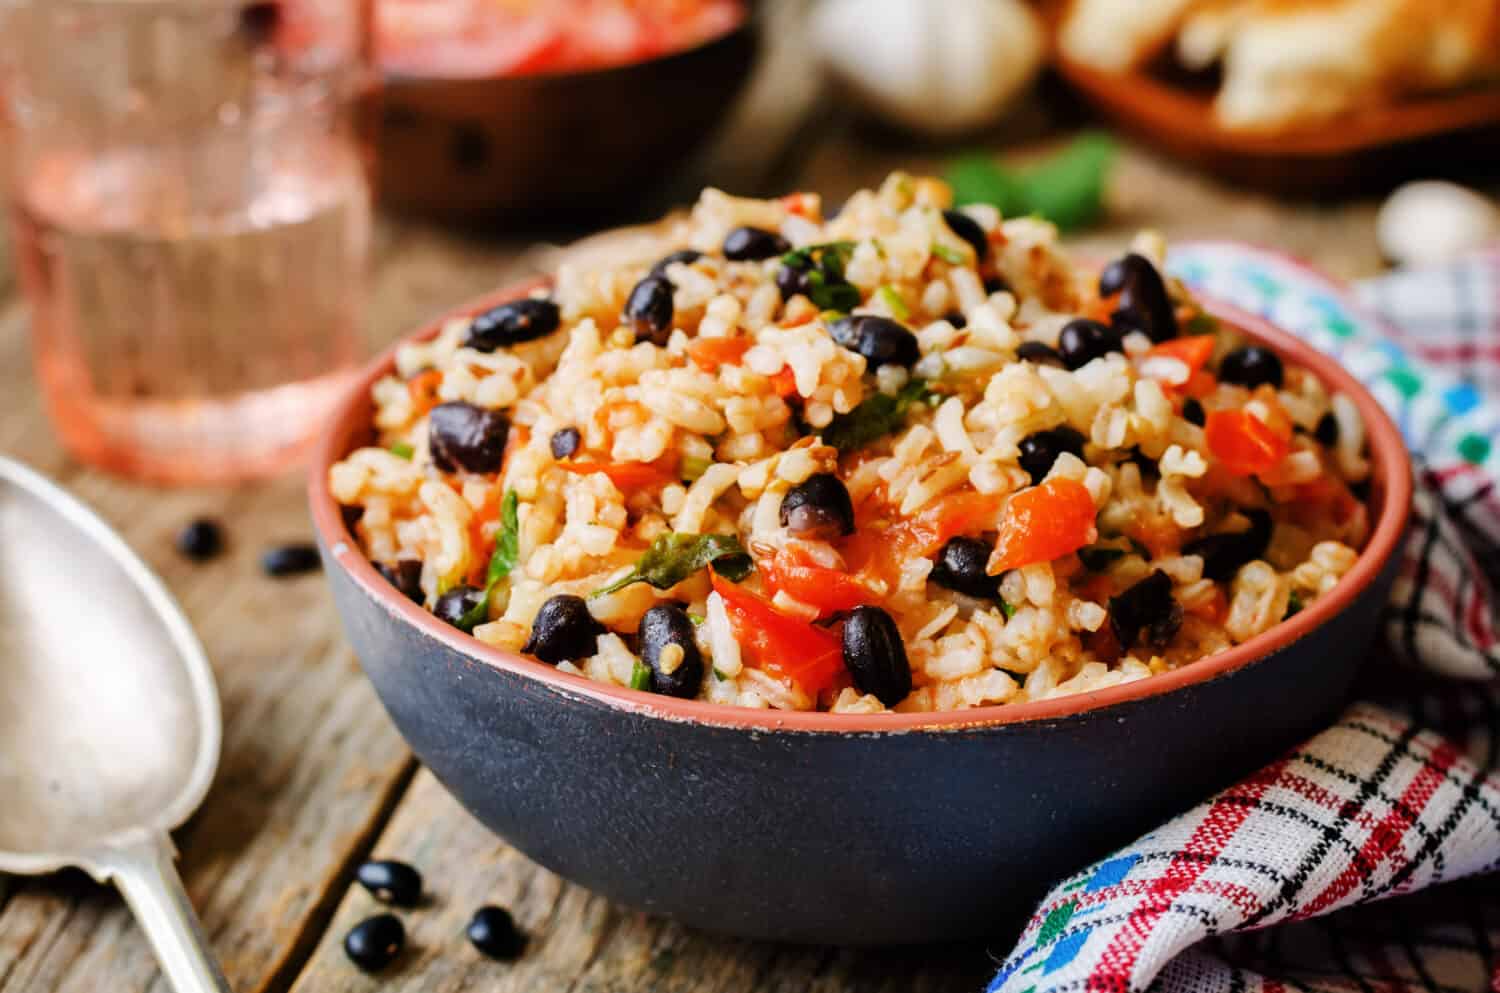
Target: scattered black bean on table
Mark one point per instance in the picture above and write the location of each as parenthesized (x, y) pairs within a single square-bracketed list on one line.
[(201, 540), (392, 882), (290, 560), (375, 942), (493, 931)]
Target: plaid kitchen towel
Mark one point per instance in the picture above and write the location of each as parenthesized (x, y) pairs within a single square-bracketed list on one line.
[(1306, 876)]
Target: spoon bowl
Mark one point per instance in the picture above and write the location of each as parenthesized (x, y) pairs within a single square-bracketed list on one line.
[(109, 718)]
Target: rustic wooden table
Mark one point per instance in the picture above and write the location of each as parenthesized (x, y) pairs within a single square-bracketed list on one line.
[(314, 778)]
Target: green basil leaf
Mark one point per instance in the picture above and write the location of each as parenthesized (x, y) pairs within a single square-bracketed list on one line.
[(403, 451), (879, 415), (507, 541), (477, 615), (834, 296), (1007, 609), (640, 676), (674, 557), (1067, 189), (830, 257)]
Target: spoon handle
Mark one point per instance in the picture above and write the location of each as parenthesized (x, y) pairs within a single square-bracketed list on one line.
[(146, 875)]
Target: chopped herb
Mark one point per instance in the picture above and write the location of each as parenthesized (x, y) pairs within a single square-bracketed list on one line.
[(1097, 558), (640, 676), (720, 676), (894, 303), (693, 466), (823, 265), (1007, 609), (879, 415), (674, 557), (507, 553), (697, 619), (1067, 189), (403, 451), (952, 256), (1294, 605)]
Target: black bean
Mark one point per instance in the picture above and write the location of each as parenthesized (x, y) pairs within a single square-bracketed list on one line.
[(687, 257), (753, 244), (565, 442), (463, 436), (1145, 305), (1192, 412), (259, 20), (1224, 554), (649, 309), (881, 340), (201, 540), (956, 318), (969, 230), (391, 882), (513, 323), (875, 655), (455, 606), (1250, 367), (995, 284), (818, 507), (290, 560), (960, 566), (1147, 603), (792, 281), (668, 624), (1038, 351), (493, 932), (406, 576), (1327, 430), (375, 943), (1040, 450), (1082, 340), (563, 631)]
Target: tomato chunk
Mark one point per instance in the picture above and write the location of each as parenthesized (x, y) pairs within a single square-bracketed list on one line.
[(423, 389), (784, 382), (1045, 522), (783, 646), (1243, 443), (881, 551), (793, 571), (1193, 352), (710, 353), (628, 476)]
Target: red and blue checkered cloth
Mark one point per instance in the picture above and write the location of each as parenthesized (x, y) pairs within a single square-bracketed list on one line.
[(1368, 859)]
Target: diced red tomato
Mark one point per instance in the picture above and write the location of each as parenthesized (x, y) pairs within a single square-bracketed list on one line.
[(784, 383), (710, 353), (881, 551), (628, 476), (1326, 498), (1046, 522), (1193, 352), (800, 203), (1243, 443), (423, 390), (793, 571), (783, 646), (1215, 608)]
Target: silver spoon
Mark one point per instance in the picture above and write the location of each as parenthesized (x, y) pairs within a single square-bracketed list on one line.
[(109, 719)]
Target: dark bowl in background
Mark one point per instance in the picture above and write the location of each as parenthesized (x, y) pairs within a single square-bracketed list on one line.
[(554, 143), (842, 829)]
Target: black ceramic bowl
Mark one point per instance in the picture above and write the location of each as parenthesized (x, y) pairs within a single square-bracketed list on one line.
[(841, 829), (554, 143)]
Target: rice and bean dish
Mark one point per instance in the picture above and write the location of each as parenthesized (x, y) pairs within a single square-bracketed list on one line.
[(908, 457)]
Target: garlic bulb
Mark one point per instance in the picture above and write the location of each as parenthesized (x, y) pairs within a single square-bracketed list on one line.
[(1431, 223), (939, 67)]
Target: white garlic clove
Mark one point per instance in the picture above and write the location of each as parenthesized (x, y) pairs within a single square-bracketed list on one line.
[(940, 67), (1431, 223)]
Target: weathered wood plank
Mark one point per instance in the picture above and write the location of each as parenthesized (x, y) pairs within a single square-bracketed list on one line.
[(580, 942), (311, 767)]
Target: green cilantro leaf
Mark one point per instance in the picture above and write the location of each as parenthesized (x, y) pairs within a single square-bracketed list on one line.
[(403, 451), (952, 256), (640, 676), (879, 415), (1067, 189), (1008, 609), (507, 553), (674, 557), (893, 302)]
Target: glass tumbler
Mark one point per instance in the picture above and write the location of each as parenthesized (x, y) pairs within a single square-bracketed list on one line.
[(190, 207)]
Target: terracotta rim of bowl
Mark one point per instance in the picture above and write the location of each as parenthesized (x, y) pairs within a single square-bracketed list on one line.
[(1391, 469)]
